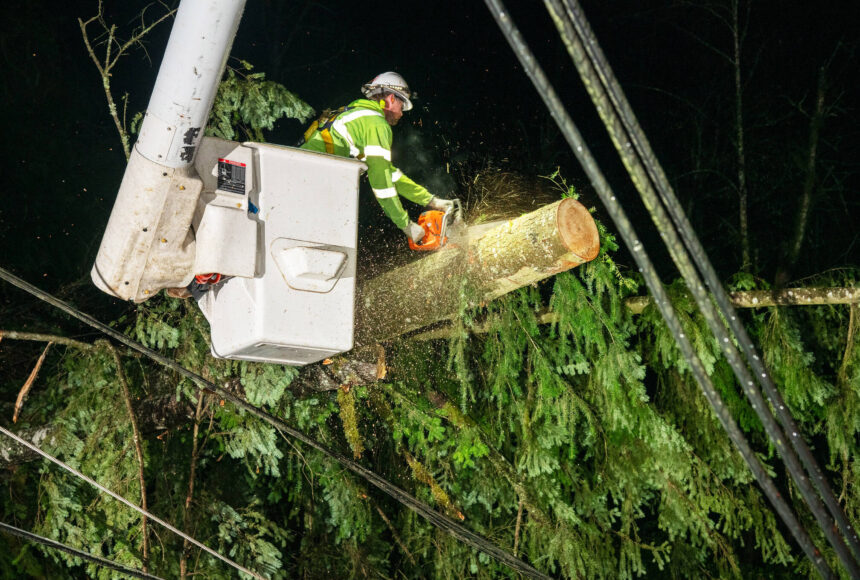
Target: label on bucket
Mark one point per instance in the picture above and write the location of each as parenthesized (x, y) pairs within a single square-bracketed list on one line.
[(231, 176)]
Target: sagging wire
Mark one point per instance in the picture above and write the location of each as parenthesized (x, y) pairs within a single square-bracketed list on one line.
[(103, 562), (645, 170), (122, 500), (652, 280), (443, 522)]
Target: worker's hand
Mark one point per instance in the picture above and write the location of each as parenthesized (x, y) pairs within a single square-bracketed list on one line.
[(440, 204), (414, 232)]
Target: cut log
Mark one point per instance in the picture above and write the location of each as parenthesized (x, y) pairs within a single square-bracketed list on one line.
[(482, 266)]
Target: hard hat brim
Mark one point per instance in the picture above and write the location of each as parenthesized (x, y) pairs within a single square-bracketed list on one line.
[(407, 103), (369, 88)]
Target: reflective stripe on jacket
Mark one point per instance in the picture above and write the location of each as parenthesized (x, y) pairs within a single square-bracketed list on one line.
[(362, 132)]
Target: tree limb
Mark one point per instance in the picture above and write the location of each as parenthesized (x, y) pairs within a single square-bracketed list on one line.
[(22, 394), (815, 296), (518, 528), (849, 343), (105, 76), (111, 59), (138, 449), (195, 451), (38, 337)]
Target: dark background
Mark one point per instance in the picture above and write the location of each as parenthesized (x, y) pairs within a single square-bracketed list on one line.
[(475, 109)]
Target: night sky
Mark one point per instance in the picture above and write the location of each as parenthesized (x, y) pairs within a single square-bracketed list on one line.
[(475, 108)]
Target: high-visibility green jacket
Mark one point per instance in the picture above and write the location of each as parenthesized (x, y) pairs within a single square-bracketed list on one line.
[(362, 132)]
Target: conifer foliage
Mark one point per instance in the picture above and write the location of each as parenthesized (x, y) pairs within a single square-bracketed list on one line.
[(583, 446)]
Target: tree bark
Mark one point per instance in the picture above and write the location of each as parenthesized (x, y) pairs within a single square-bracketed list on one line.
[(156, 414), (11, 453), (477, 269)]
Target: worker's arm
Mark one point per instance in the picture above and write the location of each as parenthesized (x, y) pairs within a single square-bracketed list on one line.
[(409, 189), (386, 181), (379, 173)]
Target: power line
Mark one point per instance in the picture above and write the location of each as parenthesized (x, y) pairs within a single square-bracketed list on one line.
[(443, 522), (652, 280), (121, 499), (76, 552), (623, 127)]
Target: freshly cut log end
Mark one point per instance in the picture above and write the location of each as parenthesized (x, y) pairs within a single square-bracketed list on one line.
[(578, 230)]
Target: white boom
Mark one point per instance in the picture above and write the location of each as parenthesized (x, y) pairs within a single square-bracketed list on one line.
[(280, 224)]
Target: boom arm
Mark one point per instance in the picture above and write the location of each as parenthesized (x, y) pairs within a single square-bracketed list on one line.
[(148, 244)]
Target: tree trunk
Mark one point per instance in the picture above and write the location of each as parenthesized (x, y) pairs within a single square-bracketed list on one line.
[(477, 268)]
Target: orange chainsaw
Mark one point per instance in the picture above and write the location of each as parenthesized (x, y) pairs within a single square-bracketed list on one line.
[(436, 226)]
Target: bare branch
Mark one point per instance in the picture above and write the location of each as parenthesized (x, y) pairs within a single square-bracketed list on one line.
[(38, 337), (105, 75), (140, 33), (195, 451), (518, 528), (849, 343), (114, 51), (22, 394)]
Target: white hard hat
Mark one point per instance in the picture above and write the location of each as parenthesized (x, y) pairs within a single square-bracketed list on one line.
[(391, 82)]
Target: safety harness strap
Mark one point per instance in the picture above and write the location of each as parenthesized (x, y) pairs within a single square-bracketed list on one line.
[(323, 125)]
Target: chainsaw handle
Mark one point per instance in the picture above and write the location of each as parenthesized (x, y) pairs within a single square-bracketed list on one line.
[(434, 223)]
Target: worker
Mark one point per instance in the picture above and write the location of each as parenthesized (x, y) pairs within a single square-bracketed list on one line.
[(362, 130)]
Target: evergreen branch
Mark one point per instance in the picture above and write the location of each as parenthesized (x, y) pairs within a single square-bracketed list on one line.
[(814, 296), (305, 464), (137, 448), (718, 538), (582, 402), (847, 391), (500, 463)]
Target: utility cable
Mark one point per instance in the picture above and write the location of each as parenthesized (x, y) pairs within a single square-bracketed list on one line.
[(588, 42), (121, 499), (624, 129), (644, 169), (76, 552), (652, 280), (443, 522)]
